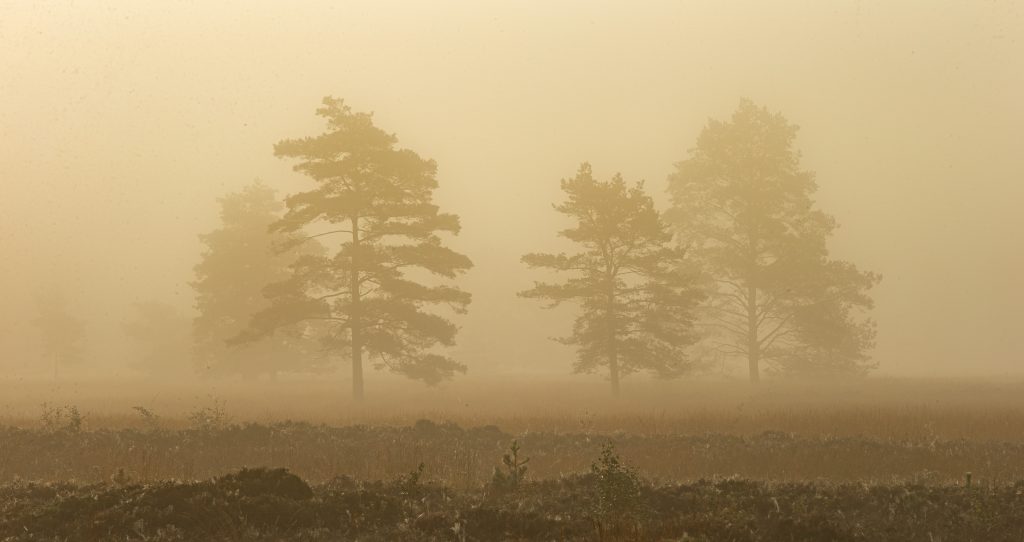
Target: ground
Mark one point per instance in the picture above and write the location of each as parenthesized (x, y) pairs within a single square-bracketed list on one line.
[(712, 460)]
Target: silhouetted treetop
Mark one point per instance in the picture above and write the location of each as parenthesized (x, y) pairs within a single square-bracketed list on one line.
[(372, 204)]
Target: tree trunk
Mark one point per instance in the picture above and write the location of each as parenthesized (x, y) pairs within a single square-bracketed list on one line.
[(613, 363), (613, 351), (357, 365), (753, 344), (355, 317)]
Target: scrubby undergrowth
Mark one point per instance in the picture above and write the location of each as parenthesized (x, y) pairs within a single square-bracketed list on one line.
[(272, 504), (464, 458)]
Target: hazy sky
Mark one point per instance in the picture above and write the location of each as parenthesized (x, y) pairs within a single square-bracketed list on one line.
[(121, 123)]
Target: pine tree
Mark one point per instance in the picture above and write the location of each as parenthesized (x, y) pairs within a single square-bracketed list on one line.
[(745, 206), (634, 288), (242, 258), (374, 203)]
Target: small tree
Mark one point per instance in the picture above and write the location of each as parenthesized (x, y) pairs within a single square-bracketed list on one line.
[(62, 333), (513, 470), (376, 201), (635, 290), (618, 486)]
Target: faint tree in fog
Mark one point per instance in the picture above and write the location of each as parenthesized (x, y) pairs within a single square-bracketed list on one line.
[(241, 258), (635, 289), (61, 332), (160, 337), (744, 205), (375, 201)]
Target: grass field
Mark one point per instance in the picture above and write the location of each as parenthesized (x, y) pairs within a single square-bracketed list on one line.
[(879, 459), (879, 408)]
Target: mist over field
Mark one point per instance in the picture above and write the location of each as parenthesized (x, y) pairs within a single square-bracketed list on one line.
[(511, 270), (123, 124)]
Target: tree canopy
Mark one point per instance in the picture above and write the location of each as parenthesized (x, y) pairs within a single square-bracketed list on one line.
[(635, 291), (745, 206), (241, 259), (372, 206)]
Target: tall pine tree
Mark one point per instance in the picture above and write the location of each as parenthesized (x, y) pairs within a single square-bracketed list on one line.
[(743, 204), (372, 205), (635, 290)]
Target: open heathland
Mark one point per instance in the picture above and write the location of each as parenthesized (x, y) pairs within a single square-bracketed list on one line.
[(878, 460), (275, 505)]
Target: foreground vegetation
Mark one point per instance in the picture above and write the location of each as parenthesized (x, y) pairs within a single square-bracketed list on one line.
[(880, 461), (463, 458), (608, 503)]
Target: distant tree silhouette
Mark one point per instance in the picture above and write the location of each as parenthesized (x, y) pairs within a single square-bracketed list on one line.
[(376, 202), (635, 289), (61, 332), (241, 258), (161, 338), (745, 207)]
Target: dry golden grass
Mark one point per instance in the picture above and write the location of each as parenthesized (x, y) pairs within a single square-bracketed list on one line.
[(876, 430), (877, 408)]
